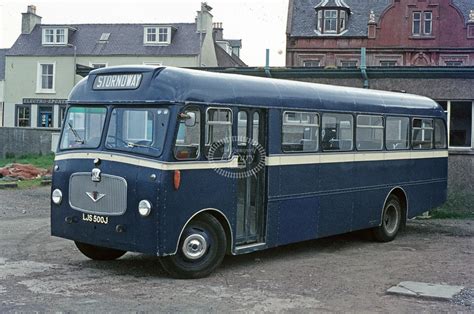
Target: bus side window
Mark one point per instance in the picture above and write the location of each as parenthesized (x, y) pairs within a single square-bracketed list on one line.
[(218, 136), (300, 131), (397, 133), (369, 133), (440, 134), (189, 136), (337, 132), (422, 134)]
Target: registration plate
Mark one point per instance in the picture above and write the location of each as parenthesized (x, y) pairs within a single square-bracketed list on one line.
[(95, 219)]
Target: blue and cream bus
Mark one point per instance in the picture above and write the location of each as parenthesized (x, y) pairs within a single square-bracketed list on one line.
[(189, 165)]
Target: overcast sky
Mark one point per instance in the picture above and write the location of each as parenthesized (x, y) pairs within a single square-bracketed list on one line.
[(260, 24)]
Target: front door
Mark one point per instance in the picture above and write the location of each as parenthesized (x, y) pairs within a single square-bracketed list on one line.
[(251, 148)]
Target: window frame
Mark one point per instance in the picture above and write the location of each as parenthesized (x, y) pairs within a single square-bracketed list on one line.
[(17, 115), (55, 33), (352, 131), (206, 132), (312, 61), (445, 129), (408, 147), (198, 156), (419, 20), (422, 129), (158, 33), (382, 127), (303, 123), (39, 78), (425, 20), (326, 18)]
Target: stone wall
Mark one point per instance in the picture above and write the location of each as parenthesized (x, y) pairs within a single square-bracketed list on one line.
[(21, 141), (461, 172)]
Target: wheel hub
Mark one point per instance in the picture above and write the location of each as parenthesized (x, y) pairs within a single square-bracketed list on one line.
[(194, 246), (391, 219)]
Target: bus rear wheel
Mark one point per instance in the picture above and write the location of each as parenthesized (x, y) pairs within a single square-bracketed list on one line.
[(98, 253), (201, 249), (391, 221)]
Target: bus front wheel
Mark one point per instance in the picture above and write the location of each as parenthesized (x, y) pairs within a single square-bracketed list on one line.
[(201, 249), (391, 221), (98, 253)]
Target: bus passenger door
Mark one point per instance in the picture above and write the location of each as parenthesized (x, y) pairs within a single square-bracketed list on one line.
[(251, 176)]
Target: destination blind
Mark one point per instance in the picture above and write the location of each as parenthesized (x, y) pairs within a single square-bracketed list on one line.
[(117, 81)]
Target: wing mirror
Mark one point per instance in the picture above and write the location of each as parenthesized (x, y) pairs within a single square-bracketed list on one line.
[(189, 118)]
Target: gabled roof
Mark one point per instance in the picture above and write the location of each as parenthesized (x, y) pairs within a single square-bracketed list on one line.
[(124, 39), (2, 63), (302, 15), (226, 60), (332, 4)]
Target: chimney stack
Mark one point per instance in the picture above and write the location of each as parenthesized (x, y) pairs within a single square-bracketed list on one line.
[(29, 20), (218, 31), (204, 18)]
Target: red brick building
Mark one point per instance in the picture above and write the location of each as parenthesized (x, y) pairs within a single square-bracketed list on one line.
[(331, 33)]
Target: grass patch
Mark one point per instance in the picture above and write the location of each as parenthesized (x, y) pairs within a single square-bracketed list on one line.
[(28, 184), (460, 205), (40, 161)]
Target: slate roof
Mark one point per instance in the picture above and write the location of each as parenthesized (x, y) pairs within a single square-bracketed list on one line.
[(2, 63), (125, 39), (302, 16), (226, 60)]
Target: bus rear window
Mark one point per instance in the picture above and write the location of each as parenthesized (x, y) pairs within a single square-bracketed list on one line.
[(83, 127), (138, 130)]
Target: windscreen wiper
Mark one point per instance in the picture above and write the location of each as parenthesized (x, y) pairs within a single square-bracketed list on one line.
[(76, 135), (131, 145)]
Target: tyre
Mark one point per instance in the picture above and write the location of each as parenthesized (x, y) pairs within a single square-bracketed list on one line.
[(391, 221), (201, 249), (98, 253)]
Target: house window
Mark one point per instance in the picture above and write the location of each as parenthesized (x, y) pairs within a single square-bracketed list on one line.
[(416, 23), (428, 23), (422, 23), (388, 63), (163, 35), (157, 35), (460, 124), (54, 36), (23, 114), (311, 63), (342, 20), (330, 21), (151, 34), (45, 81), (348, 63)]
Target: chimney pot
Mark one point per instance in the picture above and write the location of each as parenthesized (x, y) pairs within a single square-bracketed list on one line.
[(31, 9)]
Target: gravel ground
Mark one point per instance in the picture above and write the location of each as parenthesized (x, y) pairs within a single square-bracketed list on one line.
[(343, 273)]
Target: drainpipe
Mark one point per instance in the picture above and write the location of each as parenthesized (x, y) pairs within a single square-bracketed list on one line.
[(363, 66), (267, 63)]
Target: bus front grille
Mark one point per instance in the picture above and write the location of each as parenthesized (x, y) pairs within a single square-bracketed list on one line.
[(107, 197)]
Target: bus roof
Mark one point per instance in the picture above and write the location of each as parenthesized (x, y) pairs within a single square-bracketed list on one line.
[(177, 85)]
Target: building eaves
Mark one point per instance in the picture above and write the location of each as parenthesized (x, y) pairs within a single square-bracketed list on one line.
[(124, 39)]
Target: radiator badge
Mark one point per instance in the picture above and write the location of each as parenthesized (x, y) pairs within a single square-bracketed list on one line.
[(95, 175), (95, 196)]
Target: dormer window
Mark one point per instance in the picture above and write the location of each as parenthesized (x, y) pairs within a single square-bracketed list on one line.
[(55, 36), (332, 17), (332, 21), (157, 35)]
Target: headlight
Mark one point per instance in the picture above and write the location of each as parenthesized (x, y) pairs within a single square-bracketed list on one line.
[(144, 208), (57, 196)]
